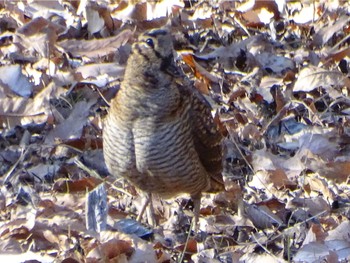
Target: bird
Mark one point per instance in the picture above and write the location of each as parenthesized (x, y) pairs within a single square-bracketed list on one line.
[(159, 133)]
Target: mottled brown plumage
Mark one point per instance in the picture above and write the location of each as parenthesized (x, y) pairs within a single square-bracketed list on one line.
[(159, 134)]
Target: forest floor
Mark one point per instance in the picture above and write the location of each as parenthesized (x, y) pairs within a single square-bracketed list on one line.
[(277, 76)]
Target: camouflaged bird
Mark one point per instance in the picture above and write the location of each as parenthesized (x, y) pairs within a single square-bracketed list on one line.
[(159, 134)]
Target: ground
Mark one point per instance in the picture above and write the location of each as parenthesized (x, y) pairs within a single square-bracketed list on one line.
[(276, 74)]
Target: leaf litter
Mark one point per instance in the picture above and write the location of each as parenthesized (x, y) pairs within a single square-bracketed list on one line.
[(276, 74)]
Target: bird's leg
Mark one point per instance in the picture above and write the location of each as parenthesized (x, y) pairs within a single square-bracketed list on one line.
[(145, 202), (196, 209), (148, 207), (151, 218)]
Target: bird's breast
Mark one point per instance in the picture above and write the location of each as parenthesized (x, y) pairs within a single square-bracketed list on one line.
[(166, 156), (156, 153)]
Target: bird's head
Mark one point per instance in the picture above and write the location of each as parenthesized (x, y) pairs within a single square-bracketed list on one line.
[(154, 49)]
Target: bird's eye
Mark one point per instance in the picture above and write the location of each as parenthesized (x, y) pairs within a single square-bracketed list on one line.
[(149, 42)]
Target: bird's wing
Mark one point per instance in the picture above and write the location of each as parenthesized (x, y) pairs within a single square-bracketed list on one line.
[(207, 139)]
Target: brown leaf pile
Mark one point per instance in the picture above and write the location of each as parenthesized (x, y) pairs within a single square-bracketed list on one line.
[(277, 76)]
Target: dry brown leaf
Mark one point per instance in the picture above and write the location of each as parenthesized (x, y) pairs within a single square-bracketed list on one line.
[(263, 258), (234, 50), (276, 64), (320, 186), (199, 71), (337, 171), (325, 33), (39, 8), (316, 251), (314, 206), (100, 74), (39, 35), (189, 247), (266, 83), (72, 127), (131, 11), (311, 78), (264, 178), (21, 111), (263, 160), (96, 47), (304, 14), (279, 99), (13, 78), (315, 234), (338, 55), (259, 12), (318, 144), (93, 13), (110, 250), (262, 217), (22, 222), (341, 232), (163, 8)]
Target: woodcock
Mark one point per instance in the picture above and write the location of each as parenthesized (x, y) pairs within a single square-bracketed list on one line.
[(159, 134)]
